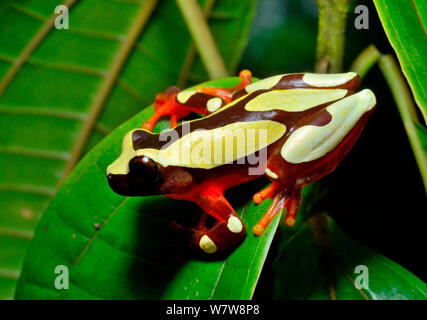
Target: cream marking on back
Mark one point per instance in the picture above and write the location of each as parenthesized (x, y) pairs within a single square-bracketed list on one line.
[(183, 96), (327, 80), (207, 245), (271, 174), (206, 148), (234, 225), (232, 103), (214, 104), (294, 100), (264, 84), (310, 142)]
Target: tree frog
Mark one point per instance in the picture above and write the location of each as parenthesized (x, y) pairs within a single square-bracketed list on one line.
[(291, 128)]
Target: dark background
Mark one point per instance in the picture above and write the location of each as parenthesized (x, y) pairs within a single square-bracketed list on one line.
[(376, 195)]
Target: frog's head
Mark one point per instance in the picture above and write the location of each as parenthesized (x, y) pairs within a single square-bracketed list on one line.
[(137, 173)]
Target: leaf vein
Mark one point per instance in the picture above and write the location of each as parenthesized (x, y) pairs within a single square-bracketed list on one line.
[(109, 80), (29, 49)]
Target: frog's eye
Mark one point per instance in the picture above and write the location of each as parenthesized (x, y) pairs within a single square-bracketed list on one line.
[(143, 167)]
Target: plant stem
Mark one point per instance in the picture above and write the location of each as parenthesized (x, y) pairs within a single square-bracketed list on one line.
[(191, 54), (402, 96), (202, 38), (107, 84), (405, 105), (329, 59), (331, 35), (365, 60)]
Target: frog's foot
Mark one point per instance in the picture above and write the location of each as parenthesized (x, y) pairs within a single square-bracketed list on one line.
[(164, 96), (268, 192), (281, 200), (228, 229), (227, 93)]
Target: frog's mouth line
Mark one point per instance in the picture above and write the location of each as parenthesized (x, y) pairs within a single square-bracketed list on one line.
[(125, 185)]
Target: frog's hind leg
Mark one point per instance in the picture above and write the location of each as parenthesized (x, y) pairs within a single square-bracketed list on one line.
[(227, 93), (166, 105), (281, 199), (226, 232)]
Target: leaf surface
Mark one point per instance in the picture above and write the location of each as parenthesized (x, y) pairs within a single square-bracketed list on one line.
[(135, 254), (405, 23), (307, 268)]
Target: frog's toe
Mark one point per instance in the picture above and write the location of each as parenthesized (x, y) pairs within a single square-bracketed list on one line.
[(281, 200), (292, 207), (268, 192)]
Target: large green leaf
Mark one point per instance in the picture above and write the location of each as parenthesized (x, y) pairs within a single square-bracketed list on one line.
[(405, 23), (323, 264), (59, 94), (135, 254)]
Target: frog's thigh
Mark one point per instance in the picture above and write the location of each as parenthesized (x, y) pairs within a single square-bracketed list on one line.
[(311, 142), (222, 236), (229, 229)]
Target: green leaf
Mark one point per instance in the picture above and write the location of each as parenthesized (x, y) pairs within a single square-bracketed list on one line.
[(405, 23), (319, 265), (407, 111), (422, 134), (135, 255), (59, 95)]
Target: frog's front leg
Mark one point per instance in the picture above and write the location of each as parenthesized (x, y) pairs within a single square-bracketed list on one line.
[(227, 231)]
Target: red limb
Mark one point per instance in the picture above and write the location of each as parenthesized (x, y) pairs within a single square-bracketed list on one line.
[(170, 107), (174, 121), (268, 192), (213, 202), (280, 201), (227, 231), (227, 93), (292, 208), (246, 78), (166, 104), (223, 93)]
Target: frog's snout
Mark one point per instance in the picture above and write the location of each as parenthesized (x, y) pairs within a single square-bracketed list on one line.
[(119, 183)]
